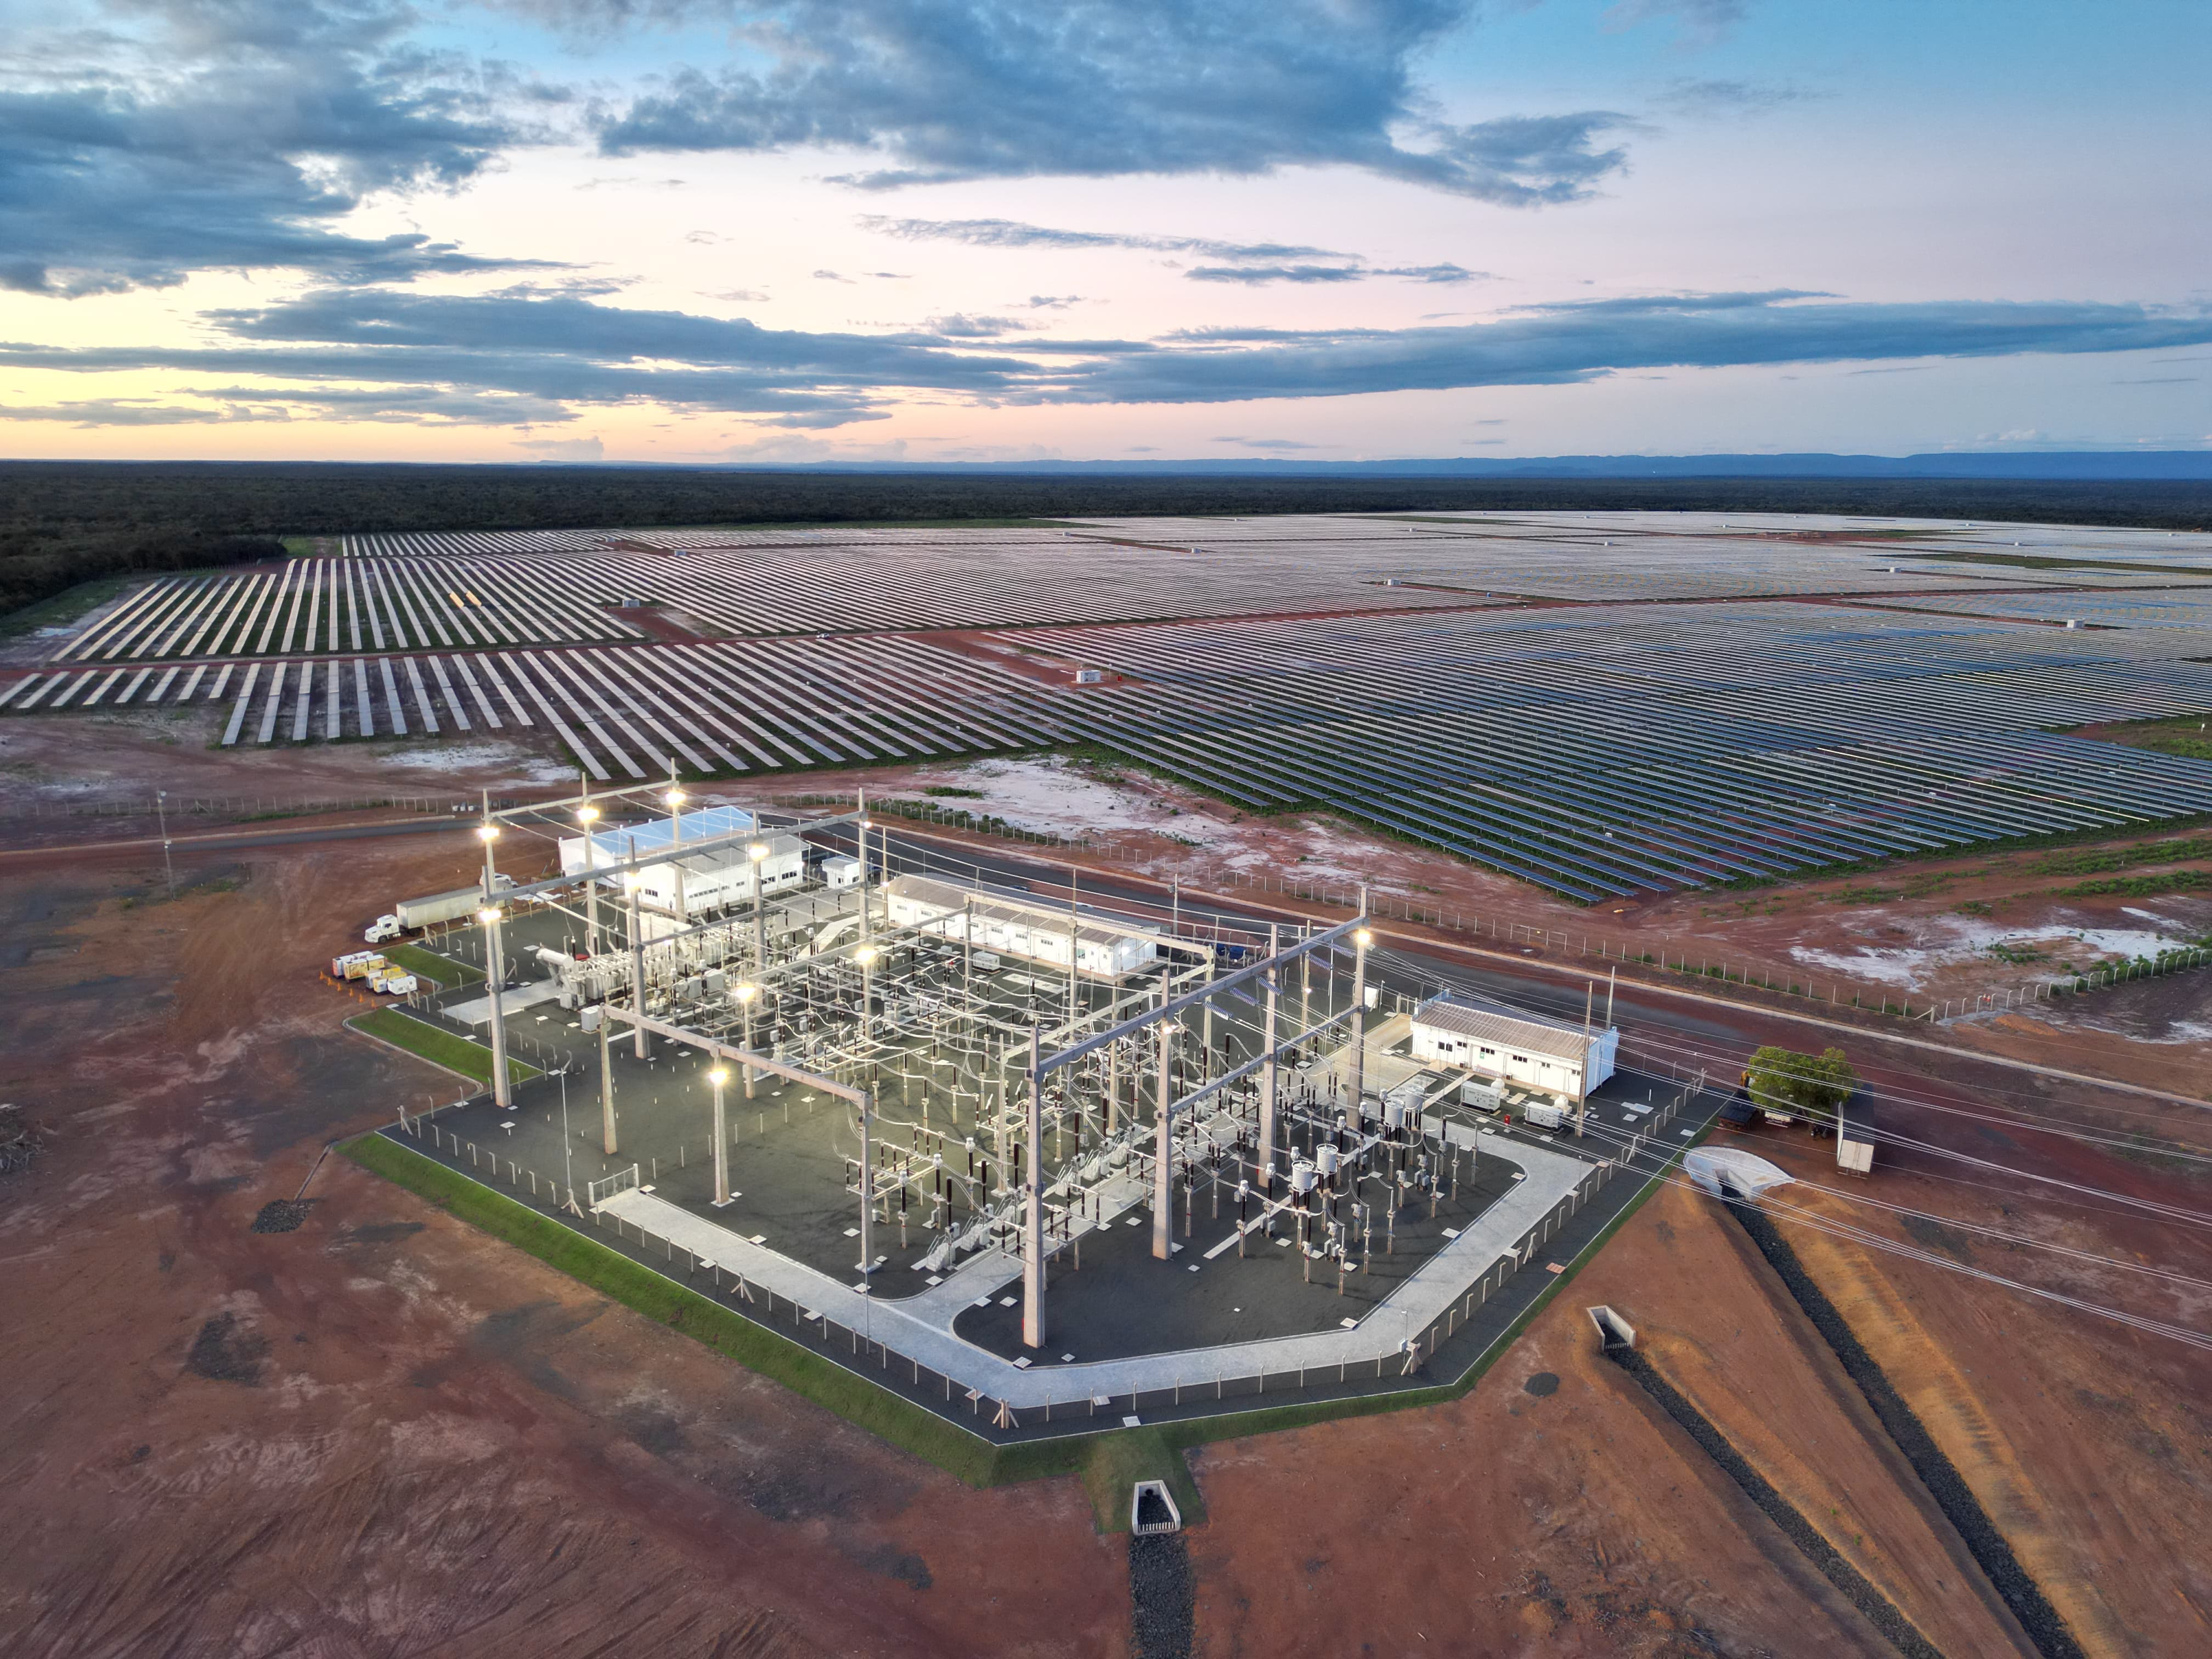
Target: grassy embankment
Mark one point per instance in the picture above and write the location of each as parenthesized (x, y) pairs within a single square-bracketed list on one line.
[(441, 1048)]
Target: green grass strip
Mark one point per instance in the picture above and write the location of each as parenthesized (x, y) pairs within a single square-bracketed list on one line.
[(440, 1047), (854, 1398), (428, 964)]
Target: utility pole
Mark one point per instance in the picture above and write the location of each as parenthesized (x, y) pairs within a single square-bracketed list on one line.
[(630, 879), (1583, 1083), (718, 1077), (1033, 1214), (607, 1080), (1269, 1075), (1163, 1143), (1360, 941), (162, 810)]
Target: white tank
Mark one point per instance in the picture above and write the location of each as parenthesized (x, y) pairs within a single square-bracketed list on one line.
[(1302, 1177), (1330, 1159)]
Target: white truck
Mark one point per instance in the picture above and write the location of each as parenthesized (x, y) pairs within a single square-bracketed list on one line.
[(411, 914)]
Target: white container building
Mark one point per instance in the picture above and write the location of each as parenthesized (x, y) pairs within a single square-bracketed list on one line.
[(1536, 1054), (692, 883), (1013, 927)]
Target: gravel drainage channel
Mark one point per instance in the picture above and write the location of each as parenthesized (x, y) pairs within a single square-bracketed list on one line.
[(1879, 1611), (2013, 1581), (1162, 1607)]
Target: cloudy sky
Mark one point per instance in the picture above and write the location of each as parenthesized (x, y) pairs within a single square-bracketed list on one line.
[(700, 230)]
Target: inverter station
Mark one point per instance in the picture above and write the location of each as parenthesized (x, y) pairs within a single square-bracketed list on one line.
[(1028, 1154)]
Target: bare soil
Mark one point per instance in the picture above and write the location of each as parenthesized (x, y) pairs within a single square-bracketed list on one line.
[(381, 1433)]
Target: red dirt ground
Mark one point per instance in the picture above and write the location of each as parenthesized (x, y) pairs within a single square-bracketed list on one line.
[(444, 1448)]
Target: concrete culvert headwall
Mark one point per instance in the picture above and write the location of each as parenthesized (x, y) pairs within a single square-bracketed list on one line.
[(2012, 1582)]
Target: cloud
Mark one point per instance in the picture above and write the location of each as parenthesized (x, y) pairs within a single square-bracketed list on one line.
[(739, 295), (520, 357), (1564, 345), (1008, 89), (1697, 22), (528, 357), (1720, 98), (1051, 302), (235, 135), (118, 411), (1258, 274), (1013, 233), (830, 277), (961, 326), (1266, 443)]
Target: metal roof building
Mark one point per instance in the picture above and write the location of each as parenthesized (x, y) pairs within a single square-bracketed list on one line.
[(1014, 927), (1536, 1052)]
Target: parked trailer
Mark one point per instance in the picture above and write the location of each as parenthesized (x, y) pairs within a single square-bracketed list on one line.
[(428, 912)]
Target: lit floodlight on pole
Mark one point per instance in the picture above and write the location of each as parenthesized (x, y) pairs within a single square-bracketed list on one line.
[(588, 814), (746, 993)]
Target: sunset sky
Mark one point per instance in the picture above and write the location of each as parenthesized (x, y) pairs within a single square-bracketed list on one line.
[(653, 230)]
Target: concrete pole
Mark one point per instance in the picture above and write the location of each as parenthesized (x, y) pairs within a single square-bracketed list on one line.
[(867, 1183), (676, 848), (1359, 1005), (1033, 1212), (721, 1141), (1074, 948), (745, 1003), (1612, 974), (494, 960), (606, 1082), (588, 816), (867, 918), (1163, 1143), (636, 956), (760, 916), (1268, 1080), (1113, 1087), (1581, 1083)]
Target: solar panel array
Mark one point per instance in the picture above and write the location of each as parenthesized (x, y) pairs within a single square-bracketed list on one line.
[(1602, 704)]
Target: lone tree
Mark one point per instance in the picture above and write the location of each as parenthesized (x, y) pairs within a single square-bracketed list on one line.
[(1784, 1080)]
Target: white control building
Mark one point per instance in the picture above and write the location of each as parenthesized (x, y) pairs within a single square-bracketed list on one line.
[(1536, 1053), (692, 884), (1013, 927)]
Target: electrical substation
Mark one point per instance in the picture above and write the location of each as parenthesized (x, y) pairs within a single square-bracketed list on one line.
[(1030, 1152)]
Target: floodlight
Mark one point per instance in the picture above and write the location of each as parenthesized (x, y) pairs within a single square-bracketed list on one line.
[(487, 832), (1365, 937), (865, 955), (489, 915), (757, 851), (586, 814), (718, 1077), (747, 992), (675, 798)]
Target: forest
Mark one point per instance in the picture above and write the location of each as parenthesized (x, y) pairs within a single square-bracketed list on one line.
[(63, 523)]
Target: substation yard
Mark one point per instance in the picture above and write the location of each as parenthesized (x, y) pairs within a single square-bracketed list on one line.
[(1292, 1248)]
